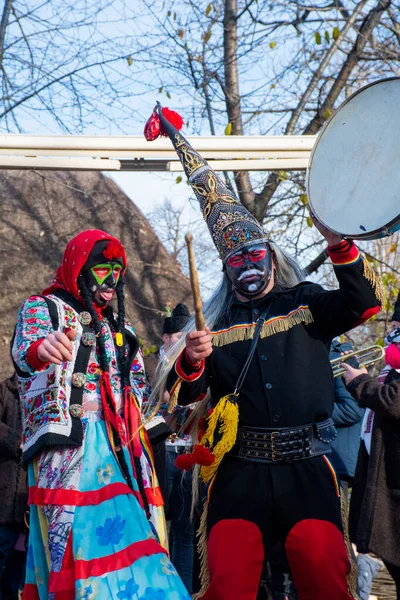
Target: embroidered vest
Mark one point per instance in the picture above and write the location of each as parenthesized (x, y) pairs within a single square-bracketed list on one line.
[(51, 399)]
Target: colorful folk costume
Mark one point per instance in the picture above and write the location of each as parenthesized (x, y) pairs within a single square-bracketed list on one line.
[(265, 451), (95, 508)]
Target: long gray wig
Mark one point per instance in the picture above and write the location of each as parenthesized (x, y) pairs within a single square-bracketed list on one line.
[(287, 274)]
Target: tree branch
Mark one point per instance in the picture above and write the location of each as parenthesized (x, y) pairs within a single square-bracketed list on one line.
[(3, 25), (263, 198), (366, 29), (317, 262)]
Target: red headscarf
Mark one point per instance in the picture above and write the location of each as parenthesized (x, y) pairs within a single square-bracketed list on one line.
[(76, 255)]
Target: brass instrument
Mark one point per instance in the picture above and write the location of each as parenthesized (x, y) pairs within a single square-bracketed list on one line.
[(365, 357)]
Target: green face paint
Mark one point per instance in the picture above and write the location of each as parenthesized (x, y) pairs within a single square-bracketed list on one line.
[(103, 271)]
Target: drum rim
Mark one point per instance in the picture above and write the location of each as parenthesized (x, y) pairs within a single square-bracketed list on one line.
[(356, 236)]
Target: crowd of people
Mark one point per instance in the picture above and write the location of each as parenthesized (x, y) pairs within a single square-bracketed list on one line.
[(246, 437)]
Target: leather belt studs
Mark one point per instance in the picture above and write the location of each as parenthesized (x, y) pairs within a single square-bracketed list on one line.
[(284, 445)]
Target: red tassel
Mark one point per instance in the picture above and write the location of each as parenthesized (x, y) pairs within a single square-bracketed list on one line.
[(153, 127), (114, 249), (184, 462), (132, 422), (202, 456), (174, 118)]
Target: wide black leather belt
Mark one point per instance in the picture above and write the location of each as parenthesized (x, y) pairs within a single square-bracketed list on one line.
[(285, 444)]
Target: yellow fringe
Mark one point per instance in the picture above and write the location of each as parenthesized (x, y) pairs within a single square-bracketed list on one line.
[(173, 401), (352, 575), (226, 413), (203, 552), (274, 325), (374, 280)]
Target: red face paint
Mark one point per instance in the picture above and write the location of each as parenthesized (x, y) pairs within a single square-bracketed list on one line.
[(237, 260)]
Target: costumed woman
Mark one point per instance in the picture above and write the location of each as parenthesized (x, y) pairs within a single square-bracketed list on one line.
[(96, 522), (266, 364)]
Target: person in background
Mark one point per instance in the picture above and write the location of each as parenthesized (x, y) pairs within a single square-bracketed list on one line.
[(347, 417), (13, 492), (179, 483), (375, 503)]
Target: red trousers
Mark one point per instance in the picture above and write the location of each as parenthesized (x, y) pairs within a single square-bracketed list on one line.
[(253, 506)]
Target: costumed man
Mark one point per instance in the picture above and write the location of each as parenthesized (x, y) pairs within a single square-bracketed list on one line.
[(95, 508), (375, 500), (266, 365)]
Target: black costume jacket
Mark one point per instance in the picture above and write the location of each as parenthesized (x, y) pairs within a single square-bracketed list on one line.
[(290, 380)]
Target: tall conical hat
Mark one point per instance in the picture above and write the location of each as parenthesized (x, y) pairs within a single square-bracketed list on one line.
[(231, 225)]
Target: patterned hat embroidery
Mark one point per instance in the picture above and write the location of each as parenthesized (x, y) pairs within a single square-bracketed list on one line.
[(231, 225)]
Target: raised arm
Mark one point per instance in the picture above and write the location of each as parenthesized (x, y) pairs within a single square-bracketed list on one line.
[(358, 298)]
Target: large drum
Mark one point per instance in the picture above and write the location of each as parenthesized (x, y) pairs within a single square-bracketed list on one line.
[(353, 181)]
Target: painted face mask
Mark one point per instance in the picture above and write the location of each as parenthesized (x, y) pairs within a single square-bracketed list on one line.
[(250, 270), (102, 281)]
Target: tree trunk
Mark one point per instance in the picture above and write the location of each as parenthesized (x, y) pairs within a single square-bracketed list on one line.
[(232, 96)]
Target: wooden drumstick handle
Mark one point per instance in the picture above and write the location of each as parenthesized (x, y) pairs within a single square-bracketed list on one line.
[(194, 283)]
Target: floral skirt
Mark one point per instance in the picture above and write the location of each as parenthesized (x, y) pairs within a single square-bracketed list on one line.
[(89, 536)]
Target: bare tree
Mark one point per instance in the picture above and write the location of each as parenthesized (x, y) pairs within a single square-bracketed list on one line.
[(259, 67), (66, 63), (171, 223)]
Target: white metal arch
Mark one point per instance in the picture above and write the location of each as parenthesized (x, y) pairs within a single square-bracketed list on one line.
[(134, 153)]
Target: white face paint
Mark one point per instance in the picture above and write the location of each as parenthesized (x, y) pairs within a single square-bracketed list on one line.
[(252, 287), (249, 273)]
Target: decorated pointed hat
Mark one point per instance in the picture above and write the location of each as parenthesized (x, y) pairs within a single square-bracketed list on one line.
[(231, 225)]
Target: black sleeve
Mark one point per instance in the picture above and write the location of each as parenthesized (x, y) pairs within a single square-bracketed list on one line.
[(358, 298), (186, 383)]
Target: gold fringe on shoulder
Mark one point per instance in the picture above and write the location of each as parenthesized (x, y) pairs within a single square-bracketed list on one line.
[(173, 400), (352, 575), (240, 333), (374, 280), (203, 552)]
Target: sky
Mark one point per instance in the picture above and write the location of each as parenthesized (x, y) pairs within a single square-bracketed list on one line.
[(146, 190)]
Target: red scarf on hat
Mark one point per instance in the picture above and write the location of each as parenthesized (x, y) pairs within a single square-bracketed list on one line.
[(76, 255)]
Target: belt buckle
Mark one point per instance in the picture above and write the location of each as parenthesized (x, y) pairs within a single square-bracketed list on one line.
[(274, 450)]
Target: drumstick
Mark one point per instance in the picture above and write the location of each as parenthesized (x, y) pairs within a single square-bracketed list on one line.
[(194, 284)]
